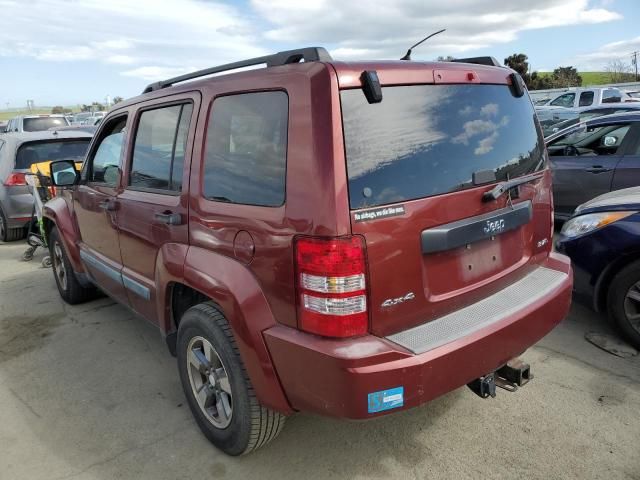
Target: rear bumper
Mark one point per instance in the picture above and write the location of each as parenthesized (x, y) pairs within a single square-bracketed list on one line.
[(335, 377), (18, 207)]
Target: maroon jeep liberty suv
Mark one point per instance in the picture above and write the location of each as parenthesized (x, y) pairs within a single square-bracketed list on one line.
[(344, 238)]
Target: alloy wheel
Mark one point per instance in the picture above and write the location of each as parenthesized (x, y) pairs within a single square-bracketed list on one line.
[(58, 266), (632, 306), (209, 382)]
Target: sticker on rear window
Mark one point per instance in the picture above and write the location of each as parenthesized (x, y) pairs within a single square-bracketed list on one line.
[(378, 213), (385, 400)]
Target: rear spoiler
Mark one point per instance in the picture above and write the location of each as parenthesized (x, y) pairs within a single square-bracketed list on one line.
[(489, 61)]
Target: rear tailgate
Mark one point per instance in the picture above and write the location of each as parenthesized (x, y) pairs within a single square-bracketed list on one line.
[(419, 163)]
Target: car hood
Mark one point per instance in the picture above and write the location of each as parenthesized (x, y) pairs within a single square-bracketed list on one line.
[(625, 199)]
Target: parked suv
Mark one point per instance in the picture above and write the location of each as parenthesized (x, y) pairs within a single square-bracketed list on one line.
[(18, 152), (349, 239)]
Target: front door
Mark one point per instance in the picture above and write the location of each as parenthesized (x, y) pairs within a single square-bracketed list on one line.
[(96, 209), (583, 164), (153, 206)]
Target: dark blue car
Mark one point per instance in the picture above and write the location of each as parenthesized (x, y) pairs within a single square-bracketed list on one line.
[(603, 240)]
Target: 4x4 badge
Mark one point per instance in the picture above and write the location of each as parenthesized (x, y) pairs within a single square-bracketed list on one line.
[(395, 301)]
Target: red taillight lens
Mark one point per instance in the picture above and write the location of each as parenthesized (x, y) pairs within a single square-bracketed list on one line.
[(15, 179), (331, 286)]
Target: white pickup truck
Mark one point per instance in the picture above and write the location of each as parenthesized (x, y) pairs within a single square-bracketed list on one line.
[(569, 104)]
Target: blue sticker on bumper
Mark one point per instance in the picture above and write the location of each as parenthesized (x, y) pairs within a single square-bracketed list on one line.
[(385, 400)]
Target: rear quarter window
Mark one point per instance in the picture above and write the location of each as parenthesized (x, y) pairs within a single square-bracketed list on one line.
[(246, 149)]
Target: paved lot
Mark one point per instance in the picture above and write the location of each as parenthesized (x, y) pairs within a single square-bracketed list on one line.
[(90, 392)]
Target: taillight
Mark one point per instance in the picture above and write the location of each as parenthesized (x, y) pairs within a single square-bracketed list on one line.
[(15, 179), (331, 286)]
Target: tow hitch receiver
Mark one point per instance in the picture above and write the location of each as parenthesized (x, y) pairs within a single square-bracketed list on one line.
[(514, 374)]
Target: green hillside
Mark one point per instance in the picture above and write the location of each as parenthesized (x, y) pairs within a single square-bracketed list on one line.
[(589, 78)]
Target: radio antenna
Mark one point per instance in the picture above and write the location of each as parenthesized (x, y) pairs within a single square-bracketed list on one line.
[(408, 54)]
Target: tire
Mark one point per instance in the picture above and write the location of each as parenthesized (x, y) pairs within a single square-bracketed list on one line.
[(623, 302), (249, 425), (9, 234), (69, 287)]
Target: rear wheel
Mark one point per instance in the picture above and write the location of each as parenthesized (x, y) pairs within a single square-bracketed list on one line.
[(217, 386), (69, 287), (9, 234), (624, 302)]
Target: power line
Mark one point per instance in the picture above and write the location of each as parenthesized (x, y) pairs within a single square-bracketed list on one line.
[(634, 61)]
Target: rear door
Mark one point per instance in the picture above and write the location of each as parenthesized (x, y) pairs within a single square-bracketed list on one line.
[(153, 207), (627, 172), (418, 164), (96, 209), (584, 162)]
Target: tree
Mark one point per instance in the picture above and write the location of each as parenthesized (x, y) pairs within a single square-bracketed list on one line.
[(117, 100), (566, 77), (448, 58), (618, 71), (57, 109), (518, 62), (540, 82)]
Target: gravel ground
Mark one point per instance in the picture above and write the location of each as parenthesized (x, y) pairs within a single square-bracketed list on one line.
[(91, 392)]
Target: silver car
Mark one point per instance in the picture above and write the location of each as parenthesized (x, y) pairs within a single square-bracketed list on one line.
[(18, 151)]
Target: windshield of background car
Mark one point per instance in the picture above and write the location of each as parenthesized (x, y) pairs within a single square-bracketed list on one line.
[(34, 152), (427, 140)]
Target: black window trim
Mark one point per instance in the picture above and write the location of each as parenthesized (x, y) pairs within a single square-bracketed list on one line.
[(85, 176), (129, 161), (204, 148)]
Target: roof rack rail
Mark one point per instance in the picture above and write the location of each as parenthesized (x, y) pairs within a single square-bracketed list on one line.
[(309, 54), (490, 61)]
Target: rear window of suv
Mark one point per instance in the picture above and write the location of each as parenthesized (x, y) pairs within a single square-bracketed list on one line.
[(427, 140), (42, 123), (34, 152)]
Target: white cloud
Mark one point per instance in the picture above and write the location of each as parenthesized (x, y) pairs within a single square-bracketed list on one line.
[(384, 29), (171, 35), (597, 60), (142, 35)]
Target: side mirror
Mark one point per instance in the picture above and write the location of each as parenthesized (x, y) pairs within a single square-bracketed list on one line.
[(64, 173), (609, 141)]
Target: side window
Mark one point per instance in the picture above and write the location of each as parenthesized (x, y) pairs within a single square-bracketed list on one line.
[(246, 149), (105, 164), (610, 142), (160, 143), (565, 100), (586, 99), (611, 96)]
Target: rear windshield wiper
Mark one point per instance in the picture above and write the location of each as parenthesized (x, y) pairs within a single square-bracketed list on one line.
[(220, 199), (503, 187)]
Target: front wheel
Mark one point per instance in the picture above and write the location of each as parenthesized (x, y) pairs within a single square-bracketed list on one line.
[(69, 287), (624, 302), (217, 386)]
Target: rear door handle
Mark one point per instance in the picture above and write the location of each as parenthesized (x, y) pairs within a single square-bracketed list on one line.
[(597, 169), (108, 205), (169, 218)]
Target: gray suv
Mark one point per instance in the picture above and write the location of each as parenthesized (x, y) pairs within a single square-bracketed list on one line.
[(18, 151)]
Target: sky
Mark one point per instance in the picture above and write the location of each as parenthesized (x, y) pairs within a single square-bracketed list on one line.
[(66, 52)]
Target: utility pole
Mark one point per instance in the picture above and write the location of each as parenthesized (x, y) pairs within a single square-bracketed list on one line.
[(634, 61)]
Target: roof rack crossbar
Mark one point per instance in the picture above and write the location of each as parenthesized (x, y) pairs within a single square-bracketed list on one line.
[(309, 54), (490, 61)]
